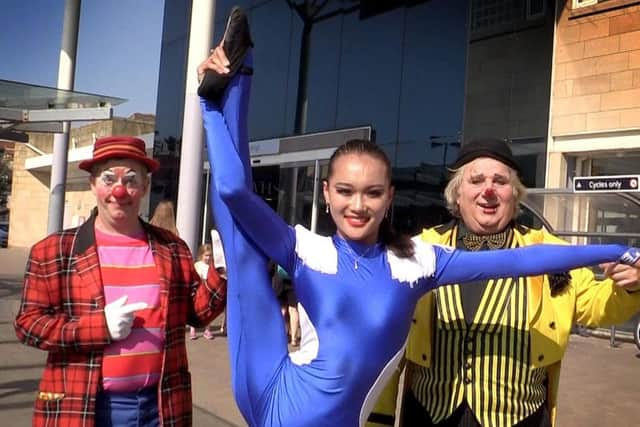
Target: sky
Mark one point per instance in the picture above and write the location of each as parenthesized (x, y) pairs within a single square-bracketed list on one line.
[(118, 47)]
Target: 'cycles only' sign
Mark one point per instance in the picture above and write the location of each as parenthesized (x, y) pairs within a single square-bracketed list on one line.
[(585, 184)]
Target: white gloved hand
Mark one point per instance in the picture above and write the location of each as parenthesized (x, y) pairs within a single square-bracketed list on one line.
[(120, 317)]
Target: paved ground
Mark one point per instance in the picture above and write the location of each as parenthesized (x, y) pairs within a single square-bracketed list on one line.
[(600, 385)]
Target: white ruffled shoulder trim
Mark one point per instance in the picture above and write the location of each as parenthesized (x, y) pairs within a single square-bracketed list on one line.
[(422, 264), (316, 252)]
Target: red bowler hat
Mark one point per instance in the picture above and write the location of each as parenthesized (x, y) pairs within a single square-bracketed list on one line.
[(119, 147)]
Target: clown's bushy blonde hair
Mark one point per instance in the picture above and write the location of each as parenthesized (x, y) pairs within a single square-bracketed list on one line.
[(453, 187)]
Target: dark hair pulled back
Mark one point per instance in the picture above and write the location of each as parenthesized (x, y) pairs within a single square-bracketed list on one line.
[(400, 244)]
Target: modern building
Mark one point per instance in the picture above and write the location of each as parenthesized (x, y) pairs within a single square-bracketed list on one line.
[(400, 71), (559, 79)]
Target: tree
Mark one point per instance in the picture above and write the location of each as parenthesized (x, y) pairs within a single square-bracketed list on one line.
[(309, 12), (314, 11), (5, 179)]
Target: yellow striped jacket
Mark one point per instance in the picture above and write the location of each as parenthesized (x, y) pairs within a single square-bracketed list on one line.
[(586, 301)]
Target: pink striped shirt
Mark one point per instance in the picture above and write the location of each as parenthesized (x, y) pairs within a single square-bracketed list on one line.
[(128, 268)]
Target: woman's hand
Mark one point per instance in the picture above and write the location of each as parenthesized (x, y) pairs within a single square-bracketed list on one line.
[(216, 61)]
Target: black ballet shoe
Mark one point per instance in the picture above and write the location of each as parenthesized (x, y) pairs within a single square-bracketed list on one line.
[(236, 43)]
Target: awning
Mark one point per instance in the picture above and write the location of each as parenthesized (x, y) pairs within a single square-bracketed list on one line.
[(31, 108)]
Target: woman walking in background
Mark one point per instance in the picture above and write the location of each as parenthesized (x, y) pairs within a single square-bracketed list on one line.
[(164, 216)]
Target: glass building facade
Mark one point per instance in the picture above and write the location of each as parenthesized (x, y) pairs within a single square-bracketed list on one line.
[(427, 76)]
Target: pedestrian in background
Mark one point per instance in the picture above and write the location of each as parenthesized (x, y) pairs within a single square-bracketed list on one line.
[(202, 267), (210, 254), (164, 215), (289, 306)]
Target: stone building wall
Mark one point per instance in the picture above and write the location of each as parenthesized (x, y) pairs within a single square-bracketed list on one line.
[(597, 68)]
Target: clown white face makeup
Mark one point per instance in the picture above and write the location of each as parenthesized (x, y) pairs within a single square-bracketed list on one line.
[(130, 179), (119, 186), (486, 196)]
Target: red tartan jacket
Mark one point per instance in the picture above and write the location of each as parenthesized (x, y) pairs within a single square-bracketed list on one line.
[(62, 312)]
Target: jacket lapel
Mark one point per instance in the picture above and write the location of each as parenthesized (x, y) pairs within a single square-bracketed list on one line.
[(162, 257), (85, 261)]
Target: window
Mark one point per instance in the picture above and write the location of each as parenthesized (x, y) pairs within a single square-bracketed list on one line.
[(489, 15), (495, 17), (583, 3), (536, 9)]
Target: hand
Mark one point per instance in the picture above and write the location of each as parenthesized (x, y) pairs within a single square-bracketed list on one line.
[(222, 272), (120, 317), (217, 61), (624, 276)]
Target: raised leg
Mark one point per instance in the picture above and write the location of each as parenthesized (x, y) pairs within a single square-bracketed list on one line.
[(257, 343)]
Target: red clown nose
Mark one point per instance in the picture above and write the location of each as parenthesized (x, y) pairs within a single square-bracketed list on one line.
[(119, 192), (489, 193)]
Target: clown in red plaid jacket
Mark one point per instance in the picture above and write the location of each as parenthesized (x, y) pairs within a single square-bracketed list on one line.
[(62, 312)]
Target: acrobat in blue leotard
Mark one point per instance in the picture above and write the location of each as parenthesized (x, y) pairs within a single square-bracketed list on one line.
[(356, 320)]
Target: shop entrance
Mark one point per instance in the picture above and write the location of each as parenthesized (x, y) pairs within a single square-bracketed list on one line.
[(288, 173), (294, 190)]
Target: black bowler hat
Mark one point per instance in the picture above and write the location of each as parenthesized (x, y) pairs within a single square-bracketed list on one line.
[(486, 147)]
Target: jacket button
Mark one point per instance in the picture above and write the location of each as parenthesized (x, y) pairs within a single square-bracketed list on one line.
[(414, 320), (467, 365), (541, 358), (424, 356), (552, 325), (467, 380)]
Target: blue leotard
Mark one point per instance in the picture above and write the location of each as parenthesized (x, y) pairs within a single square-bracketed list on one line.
[(355, 320)]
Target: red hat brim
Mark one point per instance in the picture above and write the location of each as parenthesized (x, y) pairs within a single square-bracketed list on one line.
[(151, 164)]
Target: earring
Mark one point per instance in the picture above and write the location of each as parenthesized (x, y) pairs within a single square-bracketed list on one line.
[(326, 209)]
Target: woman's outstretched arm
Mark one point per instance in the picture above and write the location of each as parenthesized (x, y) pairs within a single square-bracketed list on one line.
[(458, 266)]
